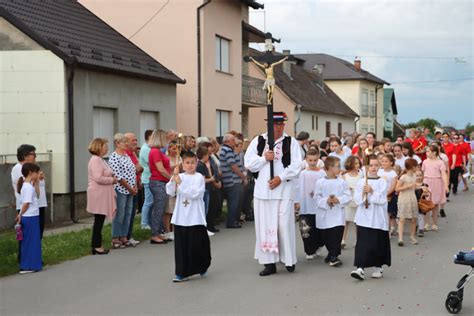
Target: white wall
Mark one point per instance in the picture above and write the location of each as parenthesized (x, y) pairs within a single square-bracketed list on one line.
[(319, 132), (32, 106)]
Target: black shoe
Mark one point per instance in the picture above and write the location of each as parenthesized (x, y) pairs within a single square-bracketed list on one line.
[(290, 268), (249, 218), (335, 263), (95, 252), (154, 242), (236, 225), (442, 213), (327, 259), (213, 229), (269, 269)]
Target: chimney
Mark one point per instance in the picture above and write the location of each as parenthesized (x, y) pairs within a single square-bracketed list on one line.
[(287, 64), (357, 63), (318, 69)]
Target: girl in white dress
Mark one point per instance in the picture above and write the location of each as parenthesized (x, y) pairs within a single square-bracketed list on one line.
[(352, 176)]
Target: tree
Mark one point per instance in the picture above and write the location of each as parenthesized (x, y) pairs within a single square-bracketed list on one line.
[(428, 123), (469, 129), (410, 125)]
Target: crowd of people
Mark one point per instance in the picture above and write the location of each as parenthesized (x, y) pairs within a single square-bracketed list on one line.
[(179, 185)]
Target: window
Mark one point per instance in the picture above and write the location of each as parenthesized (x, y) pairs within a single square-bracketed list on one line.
[(148, 120), (372, 128), (364, 129), (104, 125), (222, 54), (339, 129), (222, 123), (328, 129), (372, 104), (364, 105), (313, 121)]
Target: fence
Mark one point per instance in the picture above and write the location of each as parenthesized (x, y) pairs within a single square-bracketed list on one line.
[(7, 198)]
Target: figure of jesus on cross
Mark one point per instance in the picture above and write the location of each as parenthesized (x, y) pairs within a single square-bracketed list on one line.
[(269, 84)]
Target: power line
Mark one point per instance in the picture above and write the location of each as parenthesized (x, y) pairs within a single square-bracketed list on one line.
[(456, 58), (150, 19), (434, 81)]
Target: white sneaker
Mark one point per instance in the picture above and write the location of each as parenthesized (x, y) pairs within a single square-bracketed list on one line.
[(378, 273), (210, 233), (310, 257), (358, 274), (170, 235), (26, 271), (147, 227), (132, 242)]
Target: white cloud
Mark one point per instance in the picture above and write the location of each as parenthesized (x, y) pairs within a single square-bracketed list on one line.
[(377, 28)]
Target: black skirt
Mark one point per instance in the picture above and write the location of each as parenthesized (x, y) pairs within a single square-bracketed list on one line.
[(372, 248), (192, 250)]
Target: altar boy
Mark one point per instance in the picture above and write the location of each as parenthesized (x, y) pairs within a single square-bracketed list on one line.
[(192, 250), (331, 194), (373, 241), (305, 203)]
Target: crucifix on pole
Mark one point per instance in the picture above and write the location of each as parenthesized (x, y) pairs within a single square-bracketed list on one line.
[(267, 61)]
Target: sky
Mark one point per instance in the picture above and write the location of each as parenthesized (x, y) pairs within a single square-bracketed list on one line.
[(404, 42)]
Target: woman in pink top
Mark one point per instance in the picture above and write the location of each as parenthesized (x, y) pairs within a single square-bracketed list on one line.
[(100, 192), (435, 177)]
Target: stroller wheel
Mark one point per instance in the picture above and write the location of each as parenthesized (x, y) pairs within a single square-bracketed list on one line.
[(453, 303)]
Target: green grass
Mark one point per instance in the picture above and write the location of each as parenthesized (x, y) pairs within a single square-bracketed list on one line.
[(60, 247)]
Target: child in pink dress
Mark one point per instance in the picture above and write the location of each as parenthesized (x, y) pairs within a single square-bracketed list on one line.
[(434, 171)]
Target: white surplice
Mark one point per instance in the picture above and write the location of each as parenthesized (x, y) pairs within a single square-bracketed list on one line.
[(331, 216), (273, 209), (305, 190), (375, 216), (189, 209)]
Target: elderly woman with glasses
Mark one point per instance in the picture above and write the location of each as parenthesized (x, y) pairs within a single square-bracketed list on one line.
[(126, 188)]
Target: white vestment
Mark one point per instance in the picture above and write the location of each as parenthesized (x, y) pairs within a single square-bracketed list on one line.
[(273, 209), (375, 216), (189, 209)]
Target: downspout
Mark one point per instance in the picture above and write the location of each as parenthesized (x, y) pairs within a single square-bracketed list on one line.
[(298, 107), (377, 87), (70, 119), (198, 13)]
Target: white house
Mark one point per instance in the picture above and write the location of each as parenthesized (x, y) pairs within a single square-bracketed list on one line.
[(67, 77)]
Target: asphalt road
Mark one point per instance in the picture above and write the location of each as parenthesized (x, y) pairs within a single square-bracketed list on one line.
[(138, 281)]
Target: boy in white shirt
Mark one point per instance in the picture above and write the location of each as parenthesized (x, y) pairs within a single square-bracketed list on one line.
[(331, 195), (305, 203), (191, 242)]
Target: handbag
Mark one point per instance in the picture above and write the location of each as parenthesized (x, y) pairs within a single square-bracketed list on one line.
[(425, 204)]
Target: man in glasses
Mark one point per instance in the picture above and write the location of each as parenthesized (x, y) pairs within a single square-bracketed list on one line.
[(25, 154), (273, 198)]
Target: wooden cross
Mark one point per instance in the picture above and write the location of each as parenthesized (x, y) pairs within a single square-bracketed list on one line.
[(186, 203), (267, 61)]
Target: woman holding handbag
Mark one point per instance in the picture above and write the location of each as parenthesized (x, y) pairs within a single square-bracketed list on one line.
[(435, 177)]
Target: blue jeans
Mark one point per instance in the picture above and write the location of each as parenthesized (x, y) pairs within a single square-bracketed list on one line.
[(121, 222), (233, 195), (132, 216), (147, 205), (158, 189), (207, 195)]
